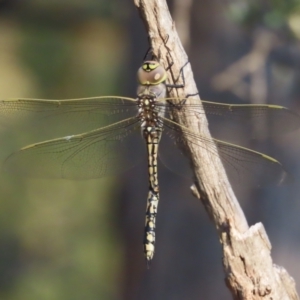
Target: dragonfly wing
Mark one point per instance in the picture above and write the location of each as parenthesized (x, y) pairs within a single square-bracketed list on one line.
[(101, 152), (63, 117), (275, 119), (240, 163), (246, 164)]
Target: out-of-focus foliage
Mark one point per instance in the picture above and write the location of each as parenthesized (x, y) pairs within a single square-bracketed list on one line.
[(57, 238), (273, 14), (83, 9)]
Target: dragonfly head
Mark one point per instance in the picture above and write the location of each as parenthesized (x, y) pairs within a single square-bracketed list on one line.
[(151, 73)]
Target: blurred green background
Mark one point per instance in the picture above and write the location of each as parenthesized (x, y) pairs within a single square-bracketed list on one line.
[(58, 239), (83, 240)]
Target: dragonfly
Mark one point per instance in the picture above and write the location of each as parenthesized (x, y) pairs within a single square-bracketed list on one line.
[(110, 121)]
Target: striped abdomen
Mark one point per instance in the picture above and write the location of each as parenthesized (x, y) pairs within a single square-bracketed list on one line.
[(152, 136)]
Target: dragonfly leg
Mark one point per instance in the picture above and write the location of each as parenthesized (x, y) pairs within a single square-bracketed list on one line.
[(181, 74), (192, 95), (177, 105), (150, 50)]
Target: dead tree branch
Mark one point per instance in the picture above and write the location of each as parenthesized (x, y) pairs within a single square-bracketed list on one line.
[(249, 270)]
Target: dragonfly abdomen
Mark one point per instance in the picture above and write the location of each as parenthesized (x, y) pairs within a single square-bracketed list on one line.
[(152, 136), (150, 222)]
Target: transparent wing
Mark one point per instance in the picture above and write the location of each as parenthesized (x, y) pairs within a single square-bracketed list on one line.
[(239, 162), (101, 152), (278, 119), (67, 116)]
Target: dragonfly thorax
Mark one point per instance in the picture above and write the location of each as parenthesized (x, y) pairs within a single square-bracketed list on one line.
[(154, 91), (148, 111)]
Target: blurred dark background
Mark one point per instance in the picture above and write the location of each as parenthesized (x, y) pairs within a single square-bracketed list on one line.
[(83, 240)]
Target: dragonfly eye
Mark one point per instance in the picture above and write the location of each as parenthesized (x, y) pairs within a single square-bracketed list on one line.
[(151, 73)]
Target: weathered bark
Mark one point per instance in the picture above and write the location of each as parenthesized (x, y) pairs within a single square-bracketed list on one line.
[(249, 270)]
